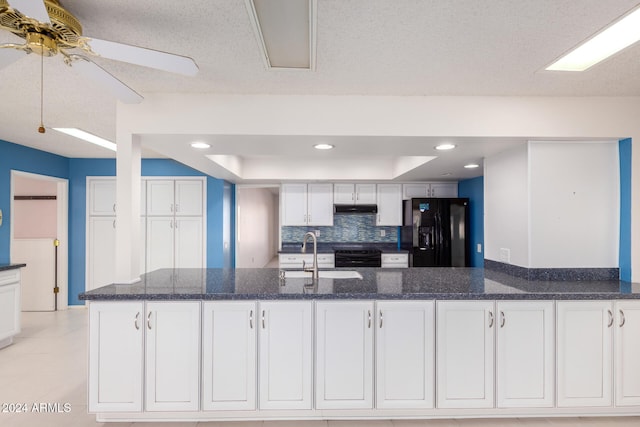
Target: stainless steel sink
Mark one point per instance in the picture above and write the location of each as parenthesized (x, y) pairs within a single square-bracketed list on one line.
[(327, 274)]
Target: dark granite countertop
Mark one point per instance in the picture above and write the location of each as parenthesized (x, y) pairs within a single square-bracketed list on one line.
[(376, 283), (324, 247), (4, 267)]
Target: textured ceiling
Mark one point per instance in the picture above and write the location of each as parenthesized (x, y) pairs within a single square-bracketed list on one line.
[(364, 47)]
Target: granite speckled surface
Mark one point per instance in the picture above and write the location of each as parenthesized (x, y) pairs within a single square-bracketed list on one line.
[(4, 267), (376, 283)]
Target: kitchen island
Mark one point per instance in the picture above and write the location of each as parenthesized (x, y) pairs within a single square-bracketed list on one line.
[(217, 344)]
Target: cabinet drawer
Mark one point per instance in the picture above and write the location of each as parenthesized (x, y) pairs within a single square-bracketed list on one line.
[(295, 260), (9, 276), (395, 260)]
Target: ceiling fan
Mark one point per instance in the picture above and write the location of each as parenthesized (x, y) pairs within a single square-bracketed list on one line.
[(48, 29)]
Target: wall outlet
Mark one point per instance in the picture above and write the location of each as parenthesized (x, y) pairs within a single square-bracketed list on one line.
[(317, 233), (505, 255), (383, 233), (479, 248)]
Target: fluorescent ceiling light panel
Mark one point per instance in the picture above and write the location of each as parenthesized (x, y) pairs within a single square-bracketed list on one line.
[(614, 38), (89, 137), (286, 32)]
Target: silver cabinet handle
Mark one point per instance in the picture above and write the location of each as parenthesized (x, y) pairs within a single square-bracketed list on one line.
[(502, 319), (251, 319), (171, 207), (491, 319), (135, 323), (114, 223), (114, 207), (610, 318), (177, 208), (622, 318), (176, 223), (263, 319), (380, 319), (149, 321), (369, 315)]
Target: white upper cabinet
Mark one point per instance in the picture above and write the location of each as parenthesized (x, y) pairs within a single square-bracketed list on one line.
[(584, 353), (389, 198), (160, 197), (102, 196), (429, 189), (307, 204), (349, 194), (182, 197), (188, 197)]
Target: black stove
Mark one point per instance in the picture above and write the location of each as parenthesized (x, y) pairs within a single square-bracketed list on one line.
[(357, 257)]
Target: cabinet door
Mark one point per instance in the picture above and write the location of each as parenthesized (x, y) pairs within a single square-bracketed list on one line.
[(102, 196), (294, 204), (285, 343), (584, 353), (344, 352), (344, 194), (229, 372), (415, 190), (188, 242), (188, 197), (405, 376), (465, 340), (525, 354), (160, 239), (365, 194), (320, 204), (115, 356), (444, 189), (172, 369), (101, 251), (389, 204), (160, 197), (627, 350), (9, 311)]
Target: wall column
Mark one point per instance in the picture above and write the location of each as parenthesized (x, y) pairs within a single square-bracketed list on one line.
[(128, 182)]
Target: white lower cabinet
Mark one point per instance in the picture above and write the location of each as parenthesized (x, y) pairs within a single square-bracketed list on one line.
[(627, 351), (584, 353), (344, 355), (116, 356), (172, 368), (229, 356), (525, 354), (464, 353), (405, 354), (285, 354)]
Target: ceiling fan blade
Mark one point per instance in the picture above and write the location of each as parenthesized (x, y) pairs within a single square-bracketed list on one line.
[(145, 57), (94, 72), (9, 55), (32, 8)]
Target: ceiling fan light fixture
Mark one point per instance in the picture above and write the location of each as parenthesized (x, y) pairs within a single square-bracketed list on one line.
[(89, 137), (614, 38)]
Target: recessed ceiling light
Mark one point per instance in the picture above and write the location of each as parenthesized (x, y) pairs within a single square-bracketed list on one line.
[(472, 166), (447, 146), (89, 137), (446, 174), (613, 39), (200, 145), (323, 146)]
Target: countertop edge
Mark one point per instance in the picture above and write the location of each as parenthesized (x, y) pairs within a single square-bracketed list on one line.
[(7, 267)]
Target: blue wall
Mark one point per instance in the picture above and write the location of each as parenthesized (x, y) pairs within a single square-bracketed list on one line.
[(81, 168), (474, 190), (220, 203), (625, 209), (21, 158)]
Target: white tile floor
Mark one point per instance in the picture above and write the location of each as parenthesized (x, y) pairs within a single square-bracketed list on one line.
[(48, 362)]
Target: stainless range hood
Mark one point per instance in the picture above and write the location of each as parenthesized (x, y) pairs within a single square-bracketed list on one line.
[(351, 209)]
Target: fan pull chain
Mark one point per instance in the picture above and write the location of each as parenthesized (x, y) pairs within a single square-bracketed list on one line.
[(41, 128)]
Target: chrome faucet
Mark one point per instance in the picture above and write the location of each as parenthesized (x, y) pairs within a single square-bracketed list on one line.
[(313, 268)]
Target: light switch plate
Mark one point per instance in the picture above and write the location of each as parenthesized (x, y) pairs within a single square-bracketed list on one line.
[(0, 217)]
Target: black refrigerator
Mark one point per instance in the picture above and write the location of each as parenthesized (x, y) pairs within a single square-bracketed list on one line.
[(435, 232)]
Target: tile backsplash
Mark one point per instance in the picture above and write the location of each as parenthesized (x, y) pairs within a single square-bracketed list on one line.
[(349, 228)]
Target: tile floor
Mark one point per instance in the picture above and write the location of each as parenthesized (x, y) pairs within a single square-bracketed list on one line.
[(48, 362)]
